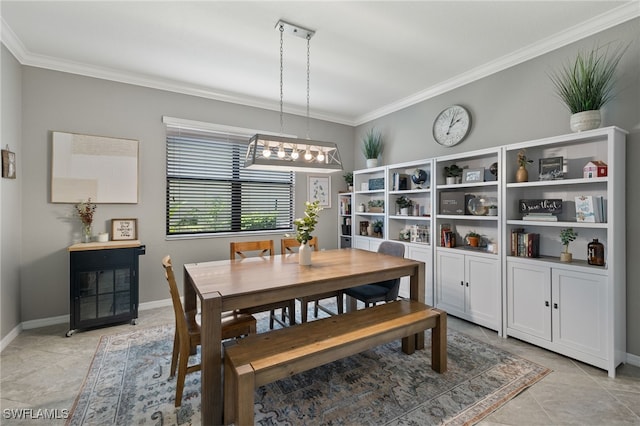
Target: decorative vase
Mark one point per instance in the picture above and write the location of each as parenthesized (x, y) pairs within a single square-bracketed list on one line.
[(493, 211), (595, 253), (566, 257), (304, 254), (87, 231), (522, 175), (372, 162), (585, 120)]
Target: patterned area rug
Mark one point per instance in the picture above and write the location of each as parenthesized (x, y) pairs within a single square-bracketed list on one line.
[(128, 384)]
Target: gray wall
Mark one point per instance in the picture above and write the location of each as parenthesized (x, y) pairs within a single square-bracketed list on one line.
[(10, 195), (55, 101), (514, 105), (518, 104)]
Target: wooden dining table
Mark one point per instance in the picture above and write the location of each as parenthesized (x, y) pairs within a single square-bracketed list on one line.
[(226, 285)]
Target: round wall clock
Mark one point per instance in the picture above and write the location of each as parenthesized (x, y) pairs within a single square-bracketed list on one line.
[(452, 125)]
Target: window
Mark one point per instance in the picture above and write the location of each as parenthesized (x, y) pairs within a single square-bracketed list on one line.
[(209, 191)]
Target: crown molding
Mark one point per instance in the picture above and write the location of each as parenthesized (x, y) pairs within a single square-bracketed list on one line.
[(600, 23), (588, 28)]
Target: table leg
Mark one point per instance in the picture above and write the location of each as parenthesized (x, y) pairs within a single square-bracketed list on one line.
[(211, 350)]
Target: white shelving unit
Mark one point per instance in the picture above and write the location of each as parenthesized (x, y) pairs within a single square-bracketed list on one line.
[(416, 224), (345, 219), (468, 279), (364, 198), (576, 309), (573, 308)]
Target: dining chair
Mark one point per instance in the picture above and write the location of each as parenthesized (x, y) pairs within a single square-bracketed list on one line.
[(187, 335), (242, 249), (289, 246), (384, 291)]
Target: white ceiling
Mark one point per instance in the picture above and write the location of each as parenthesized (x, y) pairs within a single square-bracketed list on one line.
[(368, 58)]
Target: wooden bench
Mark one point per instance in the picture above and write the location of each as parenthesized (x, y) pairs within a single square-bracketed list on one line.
[(264, 358)]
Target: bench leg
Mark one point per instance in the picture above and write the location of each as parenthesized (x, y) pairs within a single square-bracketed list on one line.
[(229, 392), (409, 344), (245, 387), (439, 343)]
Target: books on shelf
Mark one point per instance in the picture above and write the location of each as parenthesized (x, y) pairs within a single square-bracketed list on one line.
[(345, 205), (400, 182), (590, 208), (445, 234), (524, 244)]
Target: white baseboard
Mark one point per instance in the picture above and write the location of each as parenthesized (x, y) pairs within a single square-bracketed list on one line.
[(633, 359), (44, 322), (64, 319), (10, 336)]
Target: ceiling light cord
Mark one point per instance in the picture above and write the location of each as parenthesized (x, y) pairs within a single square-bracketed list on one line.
[(281, 78), (308, 78)]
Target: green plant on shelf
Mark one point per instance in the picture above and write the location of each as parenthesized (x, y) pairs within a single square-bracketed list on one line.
[(566, 236), (404, 202)]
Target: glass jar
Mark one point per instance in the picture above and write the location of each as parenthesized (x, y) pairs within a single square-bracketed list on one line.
[(595, 253)]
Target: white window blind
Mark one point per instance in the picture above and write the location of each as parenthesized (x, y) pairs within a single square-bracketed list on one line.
[(209, 191)]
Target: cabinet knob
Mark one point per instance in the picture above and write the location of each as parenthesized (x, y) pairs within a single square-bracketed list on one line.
[(462, 283), (555, 306), (546, 303), (467, 284)]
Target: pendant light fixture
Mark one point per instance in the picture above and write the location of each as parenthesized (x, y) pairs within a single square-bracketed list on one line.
[(268, 152)]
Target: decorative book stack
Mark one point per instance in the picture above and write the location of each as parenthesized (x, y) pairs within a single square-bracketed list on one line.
[(540, 209)]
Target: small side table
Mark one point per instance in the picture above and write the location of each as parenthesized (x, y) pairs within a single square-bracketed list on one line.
[(103, 283)]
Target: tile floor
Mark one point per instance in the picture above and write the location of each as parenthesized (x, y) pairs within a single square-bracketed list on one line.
[(42, 368)]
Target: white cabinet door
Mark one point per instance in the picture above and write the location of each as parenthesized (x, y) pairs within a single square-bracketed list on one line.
[(529, 299), (482, 291), (450, 282), (423, 254), (579, 316), (361, 243)]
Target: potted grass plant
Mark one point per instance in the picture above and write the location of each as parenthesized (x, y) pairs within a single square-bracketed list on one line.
[(372, 145), (587, 84)]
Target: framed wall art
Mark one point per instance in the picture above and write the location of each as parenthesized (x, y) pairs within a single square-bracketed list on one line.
[(319, 188), (8, 164), (101, 168), (124, 229)]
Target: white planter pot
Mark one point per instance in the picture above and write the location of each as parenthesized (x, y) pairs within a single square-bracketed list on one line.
[(451, 180), (372, 162), (304, 254), (585, 120)]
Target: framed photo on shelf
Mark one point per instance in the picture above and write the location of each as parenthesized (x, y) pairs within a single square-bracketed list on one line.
[(551, 168), (124, 229), (319, 188), (473, 175)]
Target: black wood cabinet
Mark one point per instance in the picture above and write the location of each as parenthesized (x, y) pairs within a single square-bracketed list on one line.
[(103, 284)]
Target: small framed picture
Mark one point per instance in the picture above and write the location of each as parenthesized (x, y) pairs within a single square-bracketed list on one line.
[(473, 175), (124, 229), (8, 164), (319, 188), (551, 168)]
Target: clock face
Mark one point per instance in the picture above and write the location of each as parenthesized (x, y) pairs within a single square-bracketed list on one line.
[(452, 125)]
